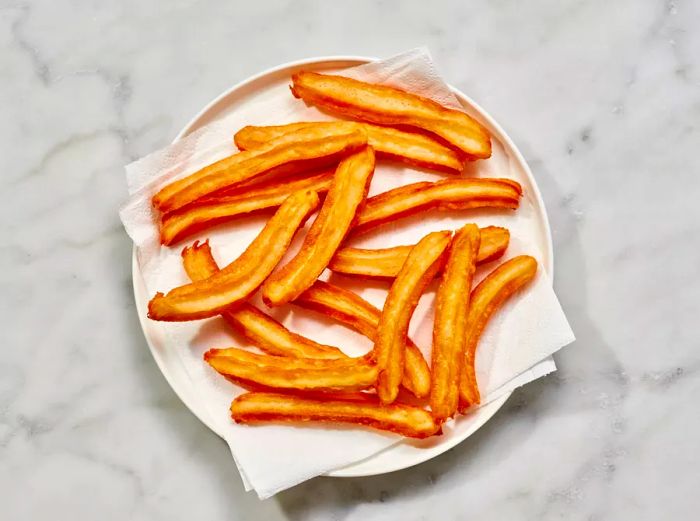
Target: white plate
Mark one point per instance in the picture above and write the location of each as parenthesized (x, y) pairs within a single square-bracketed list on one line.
[(409, 452)]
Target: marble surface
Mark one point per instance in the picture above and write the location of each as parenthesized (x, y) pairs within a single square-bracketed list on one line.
[(602, 97)]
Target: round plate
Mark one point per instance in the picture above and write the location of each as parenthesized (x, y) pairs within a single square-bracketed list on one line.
[(408, 452)]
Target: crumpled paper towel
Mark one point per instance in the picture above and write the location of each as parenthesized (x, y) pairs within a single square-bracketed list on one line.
[(515, 348)]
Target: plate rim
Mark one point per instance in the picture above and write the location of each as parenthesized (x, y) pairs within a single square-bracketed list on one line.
[(196, 122)]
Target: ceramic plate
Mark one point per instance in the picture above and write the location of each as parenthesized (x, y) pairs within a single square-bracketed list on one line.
[(408, 452)]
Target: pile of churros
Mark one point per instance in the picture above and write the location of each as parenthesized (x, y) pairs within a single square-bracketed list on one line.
[(325, 169)]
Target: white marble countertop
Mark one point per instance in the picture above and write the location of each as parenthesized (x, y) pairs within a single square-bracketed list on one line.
[(603, 98)]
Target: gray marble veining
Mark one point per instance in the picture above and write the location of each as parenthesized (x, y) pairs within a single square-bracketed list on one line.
[(603, 98)]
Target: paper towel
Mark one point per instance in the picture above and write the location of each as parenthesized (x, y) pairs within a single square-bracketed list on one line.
[(515, 347)]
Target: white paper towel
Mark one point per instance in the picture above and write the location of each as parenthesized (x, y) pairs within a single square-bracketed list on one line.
[(515, 347)]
